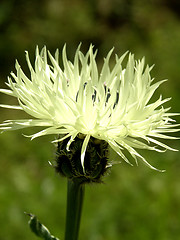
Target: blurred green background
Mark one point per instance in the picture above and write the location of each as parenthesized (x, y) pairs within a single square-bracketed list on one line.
[(135, 202)]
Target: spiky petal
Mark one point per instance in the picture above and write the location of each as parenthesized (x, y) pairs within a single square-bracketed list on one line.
[(113, 105)]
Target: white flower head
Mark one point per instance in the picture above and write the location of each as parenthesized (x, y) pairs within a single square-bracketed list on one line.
[(78, 101)]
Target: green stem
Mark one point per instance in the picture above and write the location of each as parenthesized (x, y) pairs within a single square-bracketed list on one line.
[(75, 194)]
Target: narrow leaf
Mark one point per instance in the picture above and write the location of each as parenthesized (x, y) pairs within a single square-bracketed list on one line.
[(39, 229)]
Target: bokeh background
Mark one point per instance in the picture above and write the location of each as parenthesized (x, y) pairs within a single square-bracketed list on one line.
[(134, 202)]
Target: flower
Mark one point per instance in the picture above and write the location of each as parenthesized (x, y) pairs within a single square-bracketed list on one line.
[(78, 101)]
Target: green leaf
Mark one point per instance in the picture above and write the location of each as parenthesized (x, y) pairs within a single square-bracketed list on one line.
[(39, 229)]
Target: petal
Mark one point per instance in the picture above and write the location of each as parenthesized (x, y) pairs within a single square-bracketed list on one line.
[(11, 107), (117, 149), (47, 131), (83, 150), (7, 91), (161, 144)]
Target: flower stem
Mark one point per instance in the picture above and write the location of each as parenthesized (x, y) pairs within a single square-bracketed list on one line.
[(75, 194)]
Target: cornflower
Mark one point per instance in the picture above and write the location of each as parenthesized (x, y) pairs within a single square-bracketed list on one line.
[(77, 101)]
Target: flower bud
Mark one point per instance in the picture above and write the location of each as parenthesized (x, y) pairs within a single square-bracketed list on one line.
[(68, 162)]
